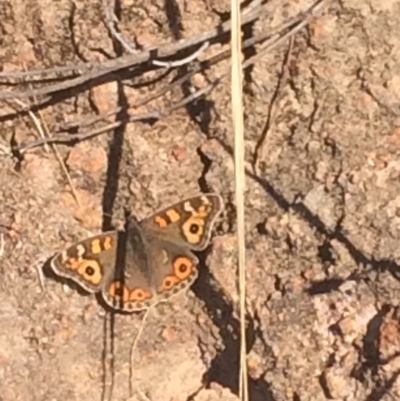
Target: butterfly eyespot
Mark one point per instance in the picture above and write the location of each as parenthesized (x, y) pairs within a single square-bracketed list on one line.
[(91, 271), (182, 267), (194, 228), (168, 283), (139, 295)]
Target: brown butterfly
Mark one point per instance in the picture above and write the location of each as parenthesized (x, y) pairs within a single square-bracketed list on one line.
[(148, 262)]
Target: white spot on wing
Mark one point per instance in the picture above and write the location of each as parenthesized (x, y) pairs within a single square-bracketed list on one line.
[(165, 257), (80, 250), (205, 200), (187, 207)]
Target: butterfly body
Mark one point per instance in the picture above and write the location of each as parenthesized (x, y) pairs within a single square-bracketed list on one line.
[(146, 263)]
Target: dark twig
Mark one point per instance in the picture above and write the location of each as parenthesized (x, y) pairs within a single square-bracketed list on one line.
[(260, 149), (132, 60), (273, 35), (110, 20), (72, 138)]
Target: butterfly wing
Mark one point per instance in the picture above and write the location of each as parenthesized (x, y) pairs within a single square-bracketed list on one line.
[(174, 267), (187, 223), (88, 262)]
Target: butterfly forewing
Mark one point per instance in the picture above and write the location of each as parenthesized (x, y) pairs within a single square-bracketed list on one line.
[(88, 262), (187, 223)]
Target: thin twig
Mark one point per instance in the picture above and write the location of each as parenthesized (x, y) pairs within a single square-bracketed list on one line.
[(5, 150), (238, 128), (70, 138), (111, 21), (305, 20), (133, 349), (270, 44), (71, 69), (45, 137), (143, 396), (202, 66), (108, 357), (186, 60), (39, 268), (64, 168), (260, 149), (2, 244), (272, 34), (37, 124), (83, 67), (132, 60)]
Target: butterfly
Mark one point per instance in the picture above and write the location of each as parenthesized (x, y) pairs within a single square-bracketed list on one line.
[(146, 263)]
